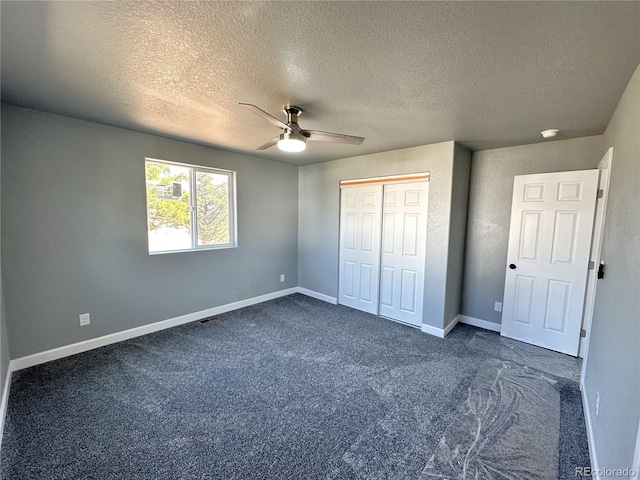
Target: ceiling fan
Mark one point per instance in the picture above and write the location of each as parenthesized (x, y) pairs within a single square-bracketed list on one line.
[(293, 138)]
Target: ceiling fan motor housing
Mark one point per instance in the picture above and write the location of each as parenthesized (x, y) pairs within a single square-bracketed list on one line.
[(292, 113), (292, 139)]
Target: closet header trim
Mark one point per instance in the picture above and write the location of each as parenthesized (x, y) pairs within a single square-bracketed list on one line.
[(411, 177)]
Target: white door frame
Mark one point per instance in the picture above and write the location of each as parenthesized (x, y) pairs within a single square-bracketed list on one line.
[(596, 250)]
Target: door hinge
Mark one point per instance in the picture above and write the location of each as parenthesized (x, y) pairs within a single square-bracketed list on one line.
[(600, 193), (592, 265), (583, 333)]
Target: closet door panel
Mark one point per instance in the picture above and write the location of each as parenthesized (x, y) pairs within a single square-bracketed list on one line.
[(360, 233), (403, 251)]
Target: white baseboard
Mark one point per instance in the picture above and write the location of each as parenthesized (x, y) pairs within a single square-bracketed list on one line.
[(67, 350), (319, 296), (449, 327), (477, 322), (593, 453), (4, 401), (435, 331), (439, 332)]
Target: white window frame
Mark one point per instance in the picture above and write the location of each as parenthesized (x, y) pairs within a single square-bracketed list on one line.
[(193, 169)]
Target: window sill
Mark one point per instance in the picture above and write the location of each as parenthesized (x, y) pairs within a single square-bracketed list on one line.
[(199, 249)]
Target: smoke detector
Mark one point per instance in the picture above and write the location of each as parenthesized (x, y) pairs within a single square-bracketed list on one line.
[(549, 133)]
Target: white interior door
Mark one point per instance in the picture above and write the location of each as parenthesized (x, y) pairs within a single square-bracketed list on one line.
[(404, 240), (359, 269), (549, 246)]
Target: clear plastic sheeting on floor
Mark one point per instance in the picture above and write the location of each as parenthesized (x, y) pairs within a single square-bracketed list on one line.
[(510, 411), (557, 364)]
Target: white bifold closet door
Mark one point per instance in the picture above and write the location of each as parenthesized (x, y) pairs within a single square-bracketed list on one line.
[(383, 234), (359, 270), (404, 242)]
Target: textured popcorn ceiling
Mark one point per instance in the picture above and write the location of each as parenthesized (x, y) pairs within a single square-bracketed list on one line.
[(401, 74)]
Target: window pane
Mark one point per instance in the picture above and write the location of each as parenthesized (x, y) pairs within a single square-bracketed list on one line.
[(168, 193), (212, 208)]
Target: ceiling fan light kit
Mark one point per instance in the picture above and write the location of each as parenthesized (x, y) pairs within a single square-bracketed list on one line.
[(293, 138), (292, 142)]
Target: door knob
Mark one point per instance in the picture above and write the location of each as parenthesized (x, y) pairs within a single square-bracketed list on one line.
[(512, 266)]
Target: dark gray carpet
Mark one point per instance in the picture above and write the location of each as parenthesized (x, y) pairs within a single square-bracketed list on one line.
[(291, 388)]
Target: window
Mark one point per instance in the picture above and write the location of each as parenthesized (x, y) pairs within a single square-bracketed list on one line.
[(179, 219)]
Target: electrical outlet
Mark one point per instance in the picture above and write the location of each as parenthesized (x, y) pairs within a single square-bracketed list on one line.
[(84, 319), (497, 306), (597, 403), (282, 277)]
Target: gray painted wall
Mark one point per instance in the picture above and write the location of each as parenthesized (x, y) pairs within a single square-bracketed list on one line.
[(458, 226), (319, 209), (613, 356), (74, 234), (490, 193)]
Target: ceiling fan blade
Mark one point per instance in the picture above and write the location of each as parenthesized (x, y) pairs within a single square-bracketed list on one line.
[(267, 116), (269, 144), (332, 137)]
